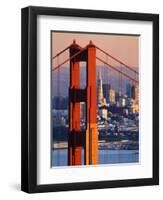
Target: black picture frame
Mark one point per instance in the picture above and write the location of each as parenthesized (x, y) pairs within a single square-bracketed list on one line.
[(29, 98)]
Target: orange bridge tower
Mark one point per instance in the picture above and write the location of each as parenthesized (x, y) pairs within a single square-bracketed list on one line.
[(78, 138)]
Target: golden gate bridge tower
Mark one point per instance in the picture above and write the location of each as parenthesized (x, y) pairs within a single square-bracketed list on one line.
[(89, 137)]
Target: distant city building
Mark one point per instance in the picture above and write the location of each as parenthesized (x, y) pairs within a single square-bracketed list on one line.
[(134, 106), (106, 89), (125, 111), (111, 96), (128, 90), (99, 89), (122, 102), (128, 102), (117, 96), (103, 110), (134, 93), (117, 104)]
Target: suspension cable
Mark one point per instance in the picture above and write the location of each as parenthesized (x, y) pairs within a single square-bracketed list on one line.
[(108, 54), (76, 54), (60, 52), (115, 69)]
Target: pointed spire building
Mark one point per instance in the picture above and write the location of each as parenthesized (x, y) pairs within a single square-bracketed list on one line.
[(100, 89)]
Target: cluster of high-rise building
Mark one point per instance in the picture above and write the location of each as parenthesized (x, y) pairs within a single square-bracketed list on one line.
[(112, 104), (117, 115), (107, 97)]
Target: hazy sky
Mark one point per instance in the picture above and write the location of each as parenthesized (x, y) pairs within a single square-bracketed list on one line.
[(123, 47)]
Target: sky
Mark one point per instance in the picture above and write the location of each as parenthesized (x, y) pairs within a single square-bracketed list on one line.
[(123, 47)]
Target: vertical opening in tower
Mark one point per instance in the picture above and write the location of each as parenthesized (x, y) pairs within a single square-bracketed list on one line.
[(83, 75), (82, 116)]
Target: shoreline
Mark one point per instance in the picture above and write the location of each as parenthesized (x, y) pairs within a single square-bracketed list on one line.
[(115, 145)]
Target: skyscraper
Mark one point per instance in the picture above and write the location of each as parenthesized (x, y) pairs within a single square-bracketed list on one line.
[(103, 109), (111, 96), (122, 101), (99, 89), (135, 93), (106, 89), (128, 90)]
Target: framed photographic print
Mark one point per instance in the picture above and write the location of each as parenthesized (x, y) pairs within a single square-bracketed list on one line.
[(90, 99)]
